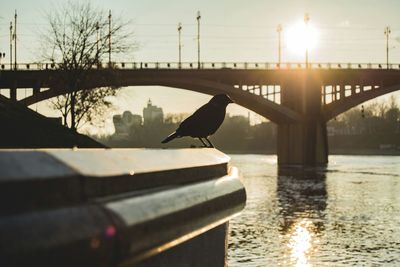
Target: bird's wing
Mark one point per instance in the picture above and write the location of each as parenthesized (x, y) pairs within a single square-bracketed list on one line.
[(197, 120)]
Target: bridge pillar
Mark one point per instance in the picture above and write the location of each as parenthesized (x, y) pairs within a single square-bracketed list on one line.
[(304, 142), (36, 89), (13, 93)]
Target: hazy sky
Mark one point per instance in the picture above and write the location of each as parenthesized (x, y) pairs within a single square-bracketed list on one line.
[(231, 30)]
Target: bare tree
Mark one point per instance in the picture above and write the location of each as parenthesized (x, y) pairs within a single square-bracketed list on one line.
[(79, 38)]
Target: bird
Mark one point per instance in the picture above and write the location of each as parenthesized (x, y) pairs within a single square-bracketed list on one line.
[(203, 122)]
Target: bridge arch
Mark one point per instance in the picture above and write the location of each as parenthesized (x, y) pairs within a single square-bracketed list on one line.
[(264, 107), (336, 108)]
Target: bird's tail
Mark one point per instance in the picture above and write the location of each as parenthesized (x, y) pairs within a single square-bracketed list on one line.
[(170, 137)]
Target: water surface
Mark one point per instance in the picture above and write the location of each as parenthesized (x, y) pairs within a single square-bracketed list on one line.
[(345, 214)]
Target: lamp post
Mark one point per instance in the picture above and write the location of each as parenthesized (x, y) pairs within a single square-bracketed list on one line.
[(97, 44), (198, 39), (180, 44), (11, 46), (97, 37), (387, 33), (279, 30), (306, 20), (15, 40), (109, 38)]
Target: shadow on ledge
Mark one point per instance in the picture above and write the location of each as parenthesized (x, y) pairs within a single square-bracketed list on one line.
[(22, 127)]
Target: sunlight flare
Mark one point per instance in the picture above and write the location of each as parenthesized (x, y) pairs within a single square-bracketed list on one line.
[(300, 37)]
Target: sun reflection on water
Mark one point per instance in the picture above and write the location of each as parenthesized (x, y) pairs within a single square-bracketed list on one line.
[(302, 242)]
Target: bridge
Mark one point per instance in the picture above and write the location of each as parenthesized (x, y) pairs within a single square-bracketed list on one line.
[(299, 99)]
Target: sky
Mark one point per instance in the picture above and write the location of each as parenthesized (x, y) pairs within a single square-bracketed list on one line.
[(231, 31)]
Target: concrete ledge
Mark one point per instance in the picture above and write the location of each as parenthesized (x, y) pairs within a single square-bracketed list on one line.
[(73, 236), (114, 207), (40, 179), (177, 214), (204, 250)]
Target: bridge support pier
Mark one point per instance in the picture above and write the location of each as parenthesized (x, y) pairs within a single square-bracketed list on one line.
[(302, 143)]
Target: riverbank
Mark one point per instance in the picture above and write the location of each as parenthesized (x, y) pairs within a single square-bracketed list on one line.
[(375, 152), (25, 128)]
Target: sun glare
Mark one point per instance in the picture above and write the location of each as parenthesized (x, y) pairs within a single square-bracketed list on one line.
[(300, 37), (302, 243)]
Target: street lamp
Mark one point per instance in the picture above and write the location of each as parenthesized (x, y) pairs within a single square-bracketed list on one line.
[(198, 38), (109, 38), (97, 37), (97, 44), (387, 33), (15, 40), (11, 45), (180, 44), (306, 20), (279, 30)]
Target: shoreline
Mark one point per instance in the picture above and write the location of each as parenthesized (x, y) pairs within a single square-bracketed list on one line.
[(355, 152)]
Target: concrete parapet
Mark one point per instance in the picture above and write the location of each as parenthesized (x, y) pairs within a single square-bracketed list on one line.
[(119, 207)]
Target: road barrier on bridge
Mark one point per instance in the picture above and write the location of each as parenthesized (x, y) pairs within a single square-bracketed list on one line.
[(116, 207), (212, 65)]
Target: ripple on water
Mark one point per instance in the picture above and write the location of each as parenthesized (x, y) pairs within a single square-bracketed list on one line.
[(344, 215)]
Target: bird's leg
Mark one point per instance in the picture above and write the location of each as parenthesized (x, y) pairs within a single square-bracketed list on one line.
[(204, 144), (211, 145)]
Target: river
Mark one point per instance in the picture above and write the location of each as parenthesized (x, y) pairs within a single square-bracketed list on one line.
[(345, 214)]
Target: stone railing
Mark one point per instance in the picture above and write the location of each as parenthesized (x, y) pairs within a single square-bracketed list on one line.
[(116, 207)]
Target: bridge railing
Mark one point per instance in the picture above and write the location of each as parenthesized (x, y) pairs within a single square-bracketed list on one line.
[(209, 65)]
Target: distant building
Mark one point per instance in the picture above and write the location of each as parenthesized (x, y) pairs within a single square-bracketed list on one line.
[(152, 114), (126, 123)]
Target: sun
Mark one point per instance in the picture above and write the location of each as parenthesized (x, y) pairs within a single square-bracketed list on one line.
[(300, 37)]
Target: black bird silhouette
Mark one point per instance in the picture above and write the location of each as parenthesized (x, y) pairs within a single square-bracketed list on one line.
[(204, 122)]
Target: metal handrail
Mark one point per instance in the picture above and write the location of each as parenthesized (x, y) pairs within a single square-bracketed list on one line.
[(210, 65)]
